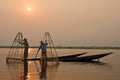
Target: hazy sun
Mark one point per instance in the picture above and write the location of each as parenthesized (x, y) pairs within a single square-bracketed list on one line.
[(29, 8)]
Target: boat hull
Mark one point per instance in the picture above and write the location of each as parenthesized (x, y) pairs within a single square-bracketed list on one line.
[(86, 58)]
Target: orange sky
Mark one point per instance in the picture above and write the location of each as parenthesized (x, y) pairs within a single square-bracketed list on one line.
[(70, 22)]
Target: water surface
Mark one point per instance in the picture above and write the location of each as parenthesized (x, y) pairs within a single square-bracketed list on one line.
[(107, 69)]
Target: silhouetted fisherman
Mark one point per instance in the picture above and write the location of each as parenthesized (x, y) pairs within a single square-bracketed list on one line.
[(26, 46)]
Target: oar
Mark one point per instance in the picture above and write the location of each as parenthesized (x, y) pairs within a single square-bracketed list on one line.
[(36, 55)]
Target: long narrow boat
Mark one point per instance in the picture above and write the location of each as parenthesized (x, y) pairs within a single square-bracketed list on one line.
[(76, 58), (85, 58), (61, 57)]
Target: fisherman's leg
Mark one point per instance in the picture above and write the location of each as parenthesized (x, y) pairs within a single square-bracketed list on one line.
[(25, 53)]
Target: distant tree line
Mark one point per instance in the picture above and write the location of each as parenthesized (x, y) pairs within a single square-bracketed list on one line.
[(67, 47)]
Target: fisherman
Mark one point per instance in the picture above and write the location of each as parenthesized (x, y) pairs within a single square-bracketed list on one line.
[(26, 45), (43, 46)]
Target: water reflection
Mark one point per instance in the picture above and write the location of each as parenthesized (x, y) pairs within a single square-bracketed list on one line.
[(17, 70), (95, 63), (43, 69), (25, 70), (32, 70)]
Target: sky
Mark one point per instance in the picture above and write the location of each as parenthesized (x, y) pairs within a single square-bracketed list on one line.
[(70, 22)]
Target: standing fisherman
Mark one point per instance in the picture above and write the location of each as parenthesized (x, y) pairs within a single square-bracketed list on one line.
[(26, 45), (43, 46)]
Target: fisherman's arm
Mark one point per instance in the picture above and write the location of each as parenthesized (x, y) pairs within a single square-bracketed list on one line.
[(20, 43), (39, 49)]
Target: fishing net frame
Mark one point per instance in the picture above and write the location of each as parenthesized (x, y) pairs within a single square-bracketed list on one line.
[(16, 51)]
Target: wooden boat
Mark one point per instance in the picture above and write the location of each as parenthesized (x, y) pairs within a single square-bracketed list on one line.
[(62, 57), (85, 58), (76, 58)]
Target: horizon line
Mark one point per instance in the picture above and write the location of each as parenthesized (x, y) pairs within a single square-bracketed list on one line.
[(68, 47)]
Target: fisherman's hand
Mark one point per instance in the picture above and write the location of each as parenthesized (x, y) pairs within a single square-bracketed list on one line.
[(19, 42)]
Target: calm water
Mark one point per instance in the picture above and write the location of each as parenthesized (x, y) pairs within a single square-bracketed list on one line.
[(107, 69)]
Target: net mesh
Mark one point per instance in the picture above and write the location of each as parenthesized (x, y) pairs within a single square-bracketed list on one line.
[(16, 51), (51, 51)]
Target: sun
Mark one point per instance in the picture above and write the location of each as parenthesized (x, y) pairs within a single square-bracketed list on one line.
[(29, 8)]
